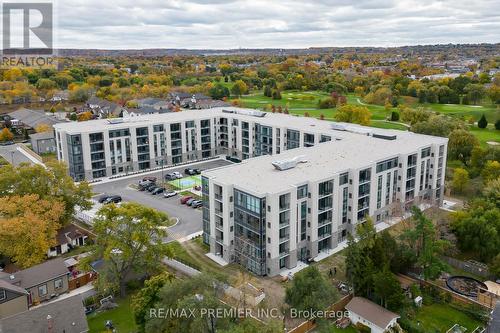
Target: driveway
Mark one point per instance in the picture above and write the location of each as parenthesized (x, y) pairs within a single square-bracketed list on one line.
[(189, 219)]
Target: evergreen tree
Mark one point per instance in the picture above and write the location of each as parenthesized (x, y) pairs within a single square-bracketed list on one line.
[(482, 123)]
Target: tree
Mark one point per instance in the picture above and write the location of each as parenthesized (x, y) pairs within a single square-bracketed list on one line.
[(460, 145), (482, 123), (310, 291), (413, 116), (84, 116), (460, 180), (394, 116), (147, 297), (497, 124), (475, 92), (478, 228), (219, 91), (494, 94), (437, 125), (193, 294), (423, 240), (388, 290), (494, 266), (239, 88), (51, 183), (41, 128), (268, 92), (276, 94), (6, 135), (28, 227), (129, 238), (353, 114), (490, 171)]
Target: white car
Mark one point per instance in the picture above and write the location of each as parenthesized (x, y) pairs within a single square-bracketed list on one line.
[(169, 194), (177, 174)]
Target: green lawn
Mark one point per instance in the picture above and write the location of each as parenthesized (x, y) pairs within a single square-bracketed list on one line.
[(349, 329), (485, 134), (300, 102), (441, 317), (122, 318)]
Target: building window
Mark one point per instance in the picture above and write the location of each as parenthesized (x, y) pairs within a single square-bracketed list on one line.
[(302, 192), (58, 284), (42, 290), (344, 178)]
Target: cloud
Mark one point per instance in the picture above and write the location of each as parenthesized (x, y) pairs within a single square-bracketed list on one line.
[(194, 24)]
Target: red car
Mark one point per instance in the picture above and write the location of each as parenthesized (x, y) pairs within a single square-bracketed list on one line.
[(185, 199)]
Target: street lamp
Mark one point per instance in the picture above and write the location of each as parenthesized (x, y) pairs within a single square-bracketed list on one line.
[(12, 157)]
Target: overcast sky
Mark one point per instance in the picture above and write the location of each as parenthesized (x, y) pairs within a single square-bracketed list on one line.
[(223, 24)]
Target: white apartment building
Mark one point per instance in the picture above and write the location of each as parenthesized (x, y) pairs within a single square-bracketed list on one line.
[(258, 212), (107, 147), (269, 212)]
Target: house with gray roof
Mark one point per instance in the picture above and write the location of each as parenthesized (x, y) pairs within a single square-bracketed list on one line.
[(43, 142), (43, 281), (61, 316), (13, 299), (32, 118)]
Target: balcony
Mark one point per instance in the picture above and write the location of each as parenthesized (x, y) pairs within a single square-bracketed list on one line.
[(284, 252), (218, 211), (218, 196), (219, 225), (219, 239), (324, 235), (284, 238)]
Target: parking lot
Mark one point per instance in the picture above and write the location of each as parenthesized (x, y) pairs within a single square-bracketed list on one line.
[(189, 219)]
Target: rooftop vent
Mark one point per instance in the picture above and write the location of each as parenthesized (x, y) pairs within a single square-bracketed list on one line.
[(385, 137), (246, 112), (289, 164)]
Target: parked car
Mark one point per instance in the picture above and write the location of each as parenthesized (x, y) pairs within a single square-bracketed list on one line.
[(185, 199), (170, 176), (190, 201), (151, 188), (177, 175), (144, 184), (192, 171), (103, 198), (113, 198), (150, 178), (157, 190), (197, 203), (168, 194)]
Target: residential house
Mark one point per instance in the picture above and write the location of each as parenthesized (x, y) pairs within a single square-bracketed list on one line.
[(43, 142), (43, 281), (377, 318), (60, 316), (30, 119), (103, 108), (13, 299), (67, 238)]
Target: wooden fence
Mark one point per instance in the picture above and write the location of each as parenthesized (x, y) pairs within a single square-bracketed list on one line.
[(81, 280)]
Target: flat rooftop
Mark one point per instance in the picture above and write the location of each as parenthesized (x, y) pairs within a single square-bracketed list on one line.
[(306, 124), (259, 176)]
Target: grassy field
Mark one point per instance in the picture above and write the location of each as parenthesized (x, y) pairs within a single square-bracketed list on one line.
[(300, 102), (122, 318), (441, 317)]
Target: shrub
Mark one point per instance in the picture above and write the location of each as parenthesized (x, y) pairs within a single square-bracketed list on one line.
[(482, 123), (363, 328), (394, 116), (497, 124)]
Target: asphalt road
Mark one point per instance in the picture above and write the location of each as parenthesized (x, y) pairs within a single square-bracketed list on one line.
[(189, 218), (13, 156)]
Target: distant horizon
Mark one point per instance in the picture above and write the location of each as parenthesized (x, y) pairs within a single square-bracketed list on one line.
[(273, 48)]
